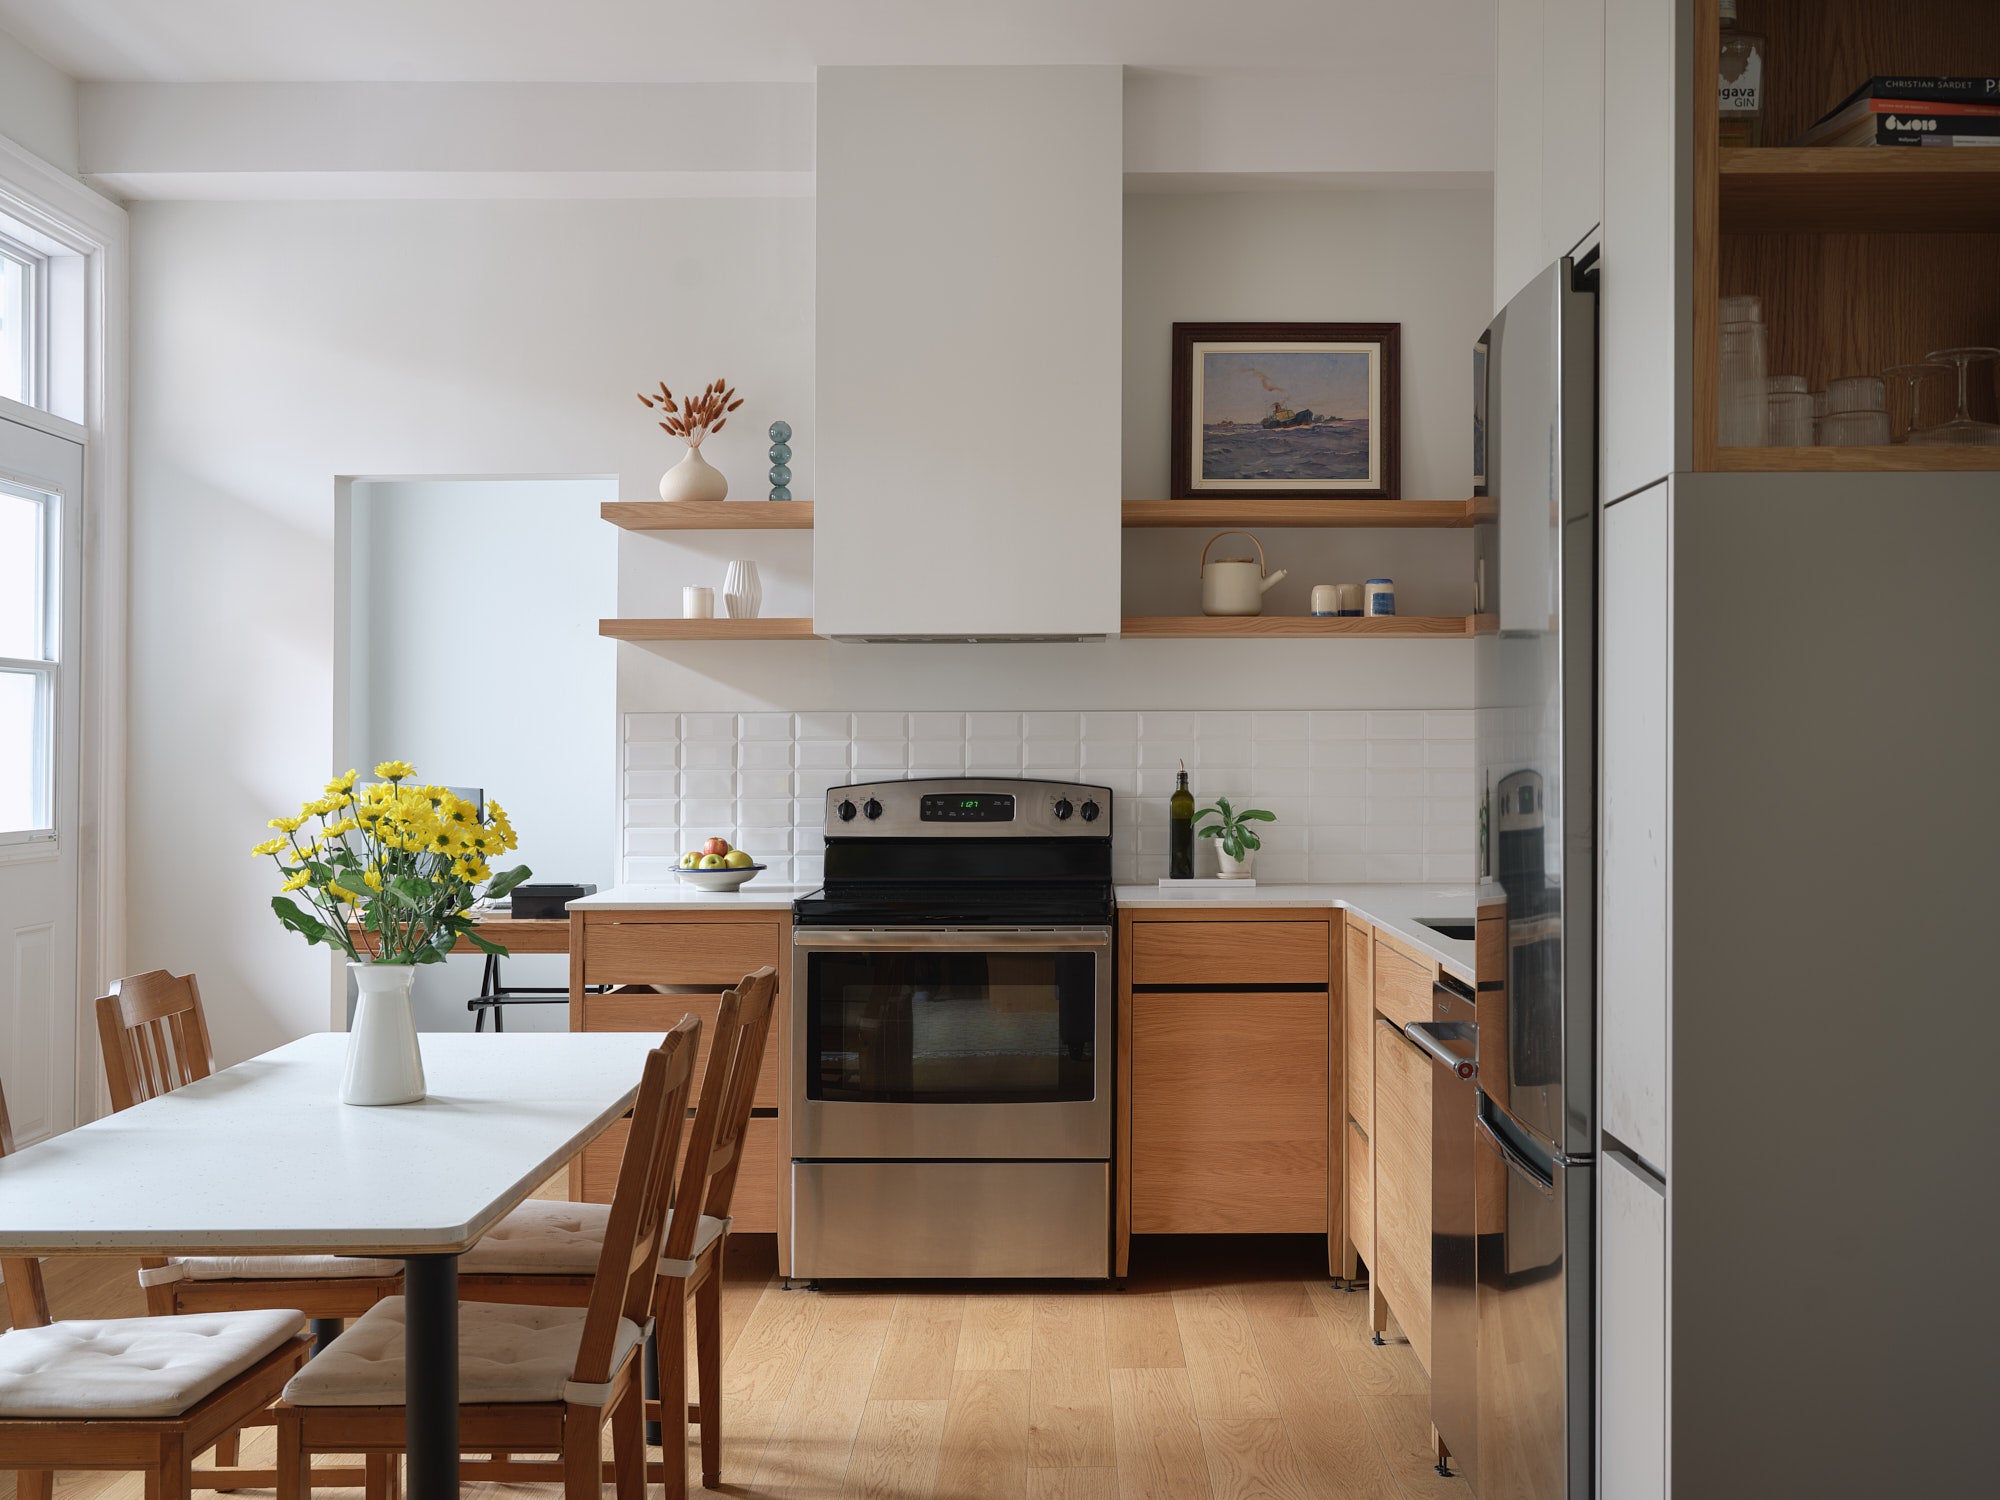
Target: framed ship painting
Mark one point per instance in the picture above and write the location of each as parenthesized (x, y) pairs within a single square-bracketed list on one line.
[(1299, 411)]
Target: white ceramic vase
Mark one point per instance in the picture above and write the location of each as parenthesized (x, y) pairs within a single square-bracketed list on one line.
[(742, 593), (384, 1065), (1234, 869), (693, 478)]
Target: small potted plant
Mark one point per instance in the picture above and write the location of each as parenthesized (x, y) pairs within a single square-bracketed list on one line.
[(692, 418), (1236, 842), (390, 870)]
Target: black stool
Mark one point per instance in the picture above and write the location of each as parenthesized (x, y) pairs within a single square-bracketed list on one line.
[(495, 996)]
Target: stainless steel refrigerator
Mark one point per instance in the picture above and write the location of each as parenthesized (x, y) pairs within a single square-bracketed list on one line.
[(1514, 1381)]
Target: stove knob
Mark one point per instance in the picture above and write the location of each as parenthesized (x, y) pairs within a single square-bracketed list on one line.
[(1090, 812), (846, 811), (1063, 809), (872, 808)]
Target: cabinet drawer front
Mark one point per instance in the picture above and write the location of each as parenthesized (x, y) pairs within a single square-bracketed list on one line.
[(1360, 1195), (1358, 1019), (755, 1205), (1402, 986), (661, 1013), (676, 952), (1229, 953), (1229, 1114), (1402, 1153)]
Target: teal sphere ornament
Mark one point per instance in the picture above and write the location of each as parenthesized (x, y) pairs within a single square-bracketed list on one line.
[(781, 458)]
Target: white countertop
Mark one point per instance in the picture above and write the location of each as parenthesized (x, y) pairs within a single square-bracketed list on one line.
[(1395, 907), (755, 896), (264, 1159)]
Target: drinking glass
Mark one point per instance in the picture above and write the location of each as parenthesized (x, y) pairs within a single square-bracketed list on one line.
[(1791, 419), (1856, 393), (1744, 416), (1853, 429), (1961, 428), (1917, 397)]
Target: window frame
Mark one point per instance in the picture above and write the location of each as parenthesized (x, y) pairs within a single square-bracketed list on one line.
[(45, 669), (34, 266)]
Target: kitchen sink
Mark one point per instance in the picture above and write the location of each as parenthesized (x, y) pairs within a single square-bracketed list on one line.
[(1451, 927)]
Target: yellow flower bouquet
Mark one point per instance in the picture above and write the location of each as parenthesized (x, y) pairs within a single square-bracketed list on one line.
[(403, 861)]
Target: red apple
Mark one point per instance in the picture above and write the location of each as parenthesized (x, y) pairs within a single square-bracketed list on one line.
[(717, 847)]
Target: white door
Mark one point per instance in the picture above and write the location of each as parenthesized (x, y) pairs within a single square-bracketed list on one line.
[(41, 588)]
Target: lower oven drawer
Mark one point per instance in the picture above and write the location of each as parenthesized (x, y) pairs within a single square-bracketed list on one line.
[(951, 1219)]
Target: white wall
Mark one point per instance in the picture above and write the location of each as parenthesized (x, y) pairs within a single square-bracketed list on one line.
[(37, 105), (277, 346), (545, 563)]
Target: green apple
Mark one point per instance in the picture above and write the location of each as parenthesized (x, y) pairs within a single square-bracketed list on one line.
[(713, 862), (690, 859), (736, 859)]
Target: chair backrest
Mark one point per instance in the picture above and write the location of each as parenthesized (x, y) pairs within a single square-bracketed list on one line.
[(27, 1297), (628, 1265), (728, 1090), (153, 1035)]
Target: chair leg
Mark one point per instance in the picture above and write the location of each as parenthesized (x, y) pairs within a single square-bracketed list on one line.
[(294, 1463), (708, 1369), (582, 1455), (628, 1444), (382, 1476), (176, 1470), (670, 1323), (34, 1484)]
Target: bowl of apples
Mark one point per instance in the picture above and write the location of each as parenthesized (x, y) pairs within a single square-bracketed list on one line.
[(715, 866)]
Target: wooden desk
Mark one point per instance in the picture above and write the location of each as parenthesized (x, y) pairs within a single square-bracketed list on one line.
[(516, 935)]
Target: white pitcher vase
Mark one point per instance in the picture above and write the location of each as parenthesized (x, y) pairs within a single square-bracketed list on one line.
[(384, 1065)]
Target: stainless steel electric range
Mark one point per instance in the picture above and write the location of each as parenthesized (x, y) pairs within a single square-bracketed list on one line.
[(951, 1029)]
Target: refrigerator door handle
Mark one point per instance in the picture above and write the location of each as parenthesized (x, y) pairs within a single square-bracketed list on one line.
[(1520, 1164), (1432, 1036)]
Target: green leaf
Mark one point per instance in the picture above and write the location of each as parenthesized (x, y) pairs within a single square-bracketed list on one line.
[(1256, 815), (1213, 831), (408, 892), (502, 883), (1223, 803), (484, 945), (428, 956), (1250, 840), (310, 928)]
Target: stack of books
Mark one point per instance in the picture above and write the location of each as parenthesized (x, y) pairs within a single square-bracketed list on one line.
[(1913, 112)]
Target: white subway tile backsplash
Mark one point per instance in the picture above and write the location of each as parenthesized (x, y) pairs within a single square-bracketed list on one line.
[(1358, 795)]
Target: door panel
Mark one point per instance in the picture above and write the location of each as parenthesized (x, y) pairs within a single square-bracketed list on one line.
[(1402, 1151), (1632, 1378)]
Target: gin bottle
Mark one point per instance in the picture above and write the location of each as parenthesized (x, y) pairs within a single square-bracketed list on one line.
[(1741, 97)]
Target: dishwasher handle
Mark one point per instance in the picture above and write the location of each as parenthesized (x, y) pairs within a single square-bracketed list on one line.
[(1432, 1036)]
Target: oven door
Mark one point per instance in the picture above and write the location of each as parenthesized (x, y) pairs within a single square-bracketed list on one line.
[(981, 1044)]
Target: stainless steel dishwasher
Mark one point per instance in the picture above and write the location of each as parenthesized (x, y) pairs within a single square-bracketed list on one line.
[(1451, 1037)]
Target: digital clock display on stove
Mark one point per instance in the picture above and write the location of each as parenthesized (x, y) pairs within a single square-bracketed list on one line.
[(968, 807)]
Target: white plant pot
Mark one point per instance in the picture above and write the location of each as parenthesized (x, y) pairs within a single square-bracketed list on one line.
[(693, 478), (384, 1065), (1234, 869)]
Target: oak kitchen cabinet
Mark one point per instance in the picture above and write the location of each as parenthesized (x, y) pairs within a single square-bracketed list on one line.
[(664, 964), (1229, 1066)]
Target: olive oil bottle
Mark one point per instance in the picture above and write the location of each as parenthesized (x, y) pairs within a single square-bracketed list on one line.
[(1180, 811)]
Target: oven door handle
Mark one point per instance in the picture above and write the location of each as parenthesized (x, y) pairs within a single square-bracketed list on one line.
[(956, 939)]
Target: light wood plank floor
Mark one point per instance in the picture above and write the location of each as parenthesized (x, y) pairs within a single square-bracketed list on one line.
[(1225, 1371)]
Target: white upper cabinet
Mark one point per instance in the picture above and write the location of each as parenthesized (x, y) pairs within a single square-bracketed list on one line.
[(1548, 135), (969, 308)]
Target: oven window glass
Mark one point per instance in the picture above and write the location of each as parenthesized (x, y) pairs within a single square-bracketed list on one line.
[(951, 1028)]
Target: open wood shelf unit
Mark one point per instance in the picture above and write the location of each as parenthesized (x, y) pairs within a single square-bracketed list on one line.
[(778, 629), (709, 515), (1446, 514), (1302, 627), (1865, 257)]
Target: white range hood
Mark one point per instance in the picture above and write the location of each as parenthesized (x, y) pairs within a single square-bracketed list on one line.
[(969, 297)]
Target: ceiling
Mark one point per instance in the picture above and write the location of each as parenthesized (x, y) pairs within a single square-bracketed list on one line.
[(664, 41)]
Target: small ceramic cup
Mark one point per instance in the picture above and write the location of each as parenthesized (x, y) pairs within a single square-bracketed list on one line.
[(1326, 599), (1350, 599), (697, 602)]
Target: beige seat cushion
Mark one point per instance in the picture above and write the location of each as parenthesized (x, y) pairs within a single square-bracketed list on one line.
[(543, 1238), (284, 1267), (505, 1353), (133, 1367)]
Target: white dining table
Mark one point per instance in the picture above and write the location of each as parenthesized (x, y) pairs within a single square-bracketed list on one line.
[(263, 1159)]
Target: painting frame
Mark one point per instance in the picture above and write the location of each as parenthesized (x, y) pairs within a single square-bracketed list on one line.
[(1379, 343)]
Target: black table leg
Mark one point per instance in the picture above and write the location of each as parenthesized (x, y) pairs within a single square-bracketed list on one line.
[(430, 1363), (649, 1381), (324, 1332)]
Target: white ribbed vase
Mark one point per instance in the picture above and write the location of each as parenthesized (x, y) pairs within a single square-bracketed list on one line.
[(384, 1065), (742, 593)]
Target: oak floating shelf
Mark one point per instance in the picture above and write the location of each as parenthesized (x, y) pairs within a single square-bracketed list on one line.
[(1303, 627), (1215, 512), (709, 515), (708, 630), (1859, 190), (1904, 458)]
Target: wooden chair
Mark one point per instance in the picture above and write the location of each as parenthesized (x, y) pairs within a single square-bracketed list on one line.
[(539, 1253), (68, 1400), (533, 1379), (155, 1039)]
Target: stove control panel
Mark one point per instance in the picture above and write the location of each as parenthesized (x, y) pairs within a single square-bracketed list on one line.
[(968, 807)]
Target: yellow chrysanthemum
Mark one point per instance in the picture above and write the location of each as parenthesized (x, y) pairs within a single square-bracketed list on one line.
[(296, 882), (269, 846), (501, 824), (340, 893), (372, 878), (344, 826), (341, 784), (395, 770), (287, 825)]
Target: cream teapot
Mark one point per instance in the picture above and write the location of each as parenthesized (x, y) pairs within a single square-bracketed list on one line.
[(1235, 585)]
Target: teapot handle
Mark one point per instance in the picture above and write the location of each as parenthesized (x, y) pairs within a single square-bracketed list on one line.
[(1218, 537)]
